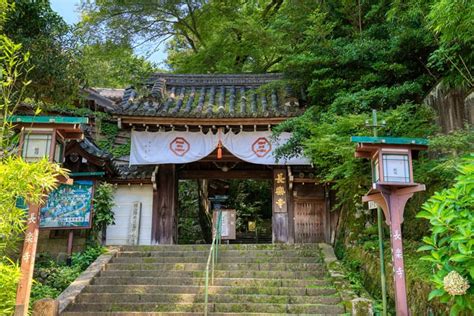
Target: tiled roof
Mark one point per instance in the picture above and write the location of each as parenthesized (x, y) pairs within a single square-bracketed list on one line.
[(210, 95), (127, 172), (110, 93), (94, 150)]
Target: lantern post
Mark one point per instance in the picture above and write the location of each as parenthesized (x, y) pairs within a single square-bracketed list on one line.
[(40, 137), (392, 186), (383, 283)]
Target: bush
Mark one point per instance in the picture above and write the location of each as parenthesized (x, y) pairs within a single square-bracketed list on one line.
[(40, 291), (103, 214), (451, 217), (9, 276), (51, 278), (84, 259)]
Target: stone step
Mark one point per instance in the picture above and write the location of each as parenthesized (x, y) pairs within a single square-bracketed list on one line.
[(222, 253), (134, 314), (217, 281), (240, 259), (261, 279), (212, 307), (177, 314), (219, 266), (244, 247), (217, 274), (194, 289), (112, 298)]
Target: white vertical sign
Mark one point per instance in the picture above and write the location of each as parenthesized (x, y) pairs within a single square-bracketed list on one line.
[(134, 229)]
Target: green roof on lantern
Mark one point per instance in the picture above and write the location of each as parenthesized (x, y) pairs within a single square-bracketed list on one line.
[(389, 140), (48, 119)]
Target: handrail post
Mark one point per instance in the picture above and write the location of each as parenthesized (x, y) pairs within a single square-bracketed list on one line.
[(206, 293), (212, 260)]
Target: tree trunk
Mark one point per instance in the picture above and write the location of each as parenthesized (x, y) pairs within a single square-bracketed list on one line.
[(204, 210)]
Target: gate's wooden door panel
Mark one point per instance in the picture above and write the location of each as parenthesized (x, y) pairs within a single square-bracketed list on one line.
[(310, 219)]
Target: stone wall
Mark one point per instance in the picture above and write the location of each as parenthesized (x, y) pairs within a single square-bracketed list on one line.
[(56, 246), (418, 286), (455, 107)]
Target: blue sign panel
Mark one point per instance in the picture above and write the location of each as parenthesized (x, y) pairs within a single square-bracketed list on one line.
[(69, 206)]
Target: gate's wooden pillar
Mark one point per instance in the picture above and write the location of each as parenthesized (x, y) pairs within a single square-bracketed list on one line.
[(280, 200), (164, 216)]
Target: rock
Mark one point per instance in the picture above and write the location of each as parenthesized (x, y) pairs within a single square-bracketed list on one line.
[(361, 307), (46, 307)]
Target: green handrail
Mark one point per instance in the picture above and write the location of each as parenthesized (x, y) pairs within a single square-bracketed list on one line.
[(212, 258)]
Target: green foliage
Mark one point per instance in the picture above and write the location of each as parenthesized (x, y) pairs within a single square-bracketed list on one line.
[(452, 233), (205, 36), (12, 67), (189, 230), (108, 133), (57, 276), (114, 66), (83, 259), (9, 276), (40, 291), (103, 204), (19, 180), (252, 200), (51, 278), (5, 7), (453, 22), (55, 72), (28, 181)]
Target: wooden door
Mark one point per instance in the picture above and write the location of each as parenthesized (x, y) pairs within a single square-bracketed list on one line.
[(310, 219)]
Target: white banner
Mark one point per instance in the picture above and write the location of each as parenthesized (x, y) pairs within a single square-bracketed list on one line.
[(184, 147), (149, 148), (259, 148)]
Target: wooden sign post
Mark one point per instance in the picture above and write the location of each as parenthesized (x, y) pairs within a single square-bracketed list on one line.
[(392, 187), (27, 261)]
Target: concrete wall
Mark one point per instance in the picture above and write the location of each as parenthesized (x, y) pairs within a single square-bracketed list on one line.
[(125, 197)]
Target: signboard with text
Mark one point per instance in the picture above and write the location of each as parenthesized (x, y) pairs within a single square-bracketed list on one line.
[(69, 207), (228, 223)]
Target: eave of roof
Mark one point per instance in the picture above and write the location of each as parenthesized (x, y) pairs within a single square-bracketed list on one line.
[(211, 96)]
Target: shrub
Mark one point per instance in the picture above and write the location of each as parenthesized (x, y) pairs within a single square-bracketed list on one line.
[(103, 214), (451, 217), (84, 259), (51, 278), (9, 276)]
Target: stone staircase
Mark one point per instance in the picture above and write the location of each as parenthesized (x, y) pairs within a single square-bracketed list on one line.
[(249, 280)]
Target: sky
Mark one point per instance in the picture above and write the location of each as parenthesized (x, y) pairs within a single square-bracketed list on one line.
[(68, 9)]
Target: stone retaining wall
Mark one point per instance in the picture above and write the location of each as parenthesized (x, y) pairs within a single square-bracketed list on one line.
[(418, 287)]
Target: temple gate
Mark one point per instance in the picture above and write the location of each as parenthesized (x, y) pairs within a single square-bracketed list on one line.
[(219, 127)]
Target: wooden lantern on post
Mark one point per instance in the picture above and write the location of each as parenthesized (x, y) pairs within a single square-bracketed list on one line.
[(40, 137), (392, 186)]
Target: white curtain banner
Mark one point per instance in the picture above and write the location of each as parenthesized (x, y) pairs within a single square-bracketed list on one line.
[(259, 148), (150, 148)]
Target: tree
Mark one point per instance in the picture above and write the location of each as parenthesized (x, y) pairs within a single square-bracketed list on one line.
[(19, 180), (204, 36), (114, 66), (453, 22), (55, 72)]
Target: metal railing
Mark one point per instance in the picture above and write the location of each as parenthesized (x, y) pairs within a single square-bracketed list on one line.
[(212, 259)]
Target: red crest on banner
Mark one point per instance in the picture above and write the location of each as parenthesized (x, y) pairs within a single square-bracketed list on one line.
[(261, 147), (179, 146)]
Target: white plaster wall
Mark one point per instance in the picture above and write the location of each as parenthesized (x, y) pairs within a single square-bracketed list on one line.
[(124, 198)]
